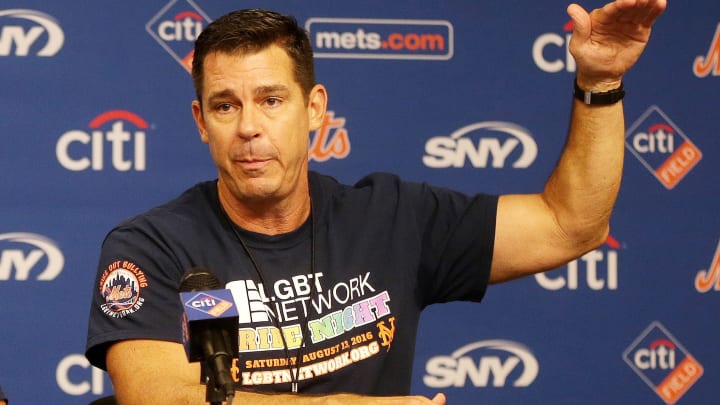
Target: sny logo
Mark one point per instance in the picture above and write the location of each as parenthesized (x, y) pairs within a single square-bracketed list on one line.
[(661, 361), (24, 36), (175, 27), (17, 256), (115, 139), (709, 279), (662, 147), (710, 63), (495, 358), (497, 142)]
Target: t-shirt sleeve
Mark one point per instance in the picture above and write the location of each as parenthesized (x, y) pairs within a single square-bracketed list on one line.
[(135, 295), (458, 234)]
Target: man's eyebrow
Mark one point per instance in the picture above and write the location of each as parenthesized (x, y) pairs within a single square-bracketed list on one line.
[(259, 92), (271, 89), (222, 94)]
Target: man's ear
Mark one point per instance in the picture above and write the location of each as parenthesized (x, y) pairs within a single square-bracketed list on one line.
[(199, 120), (317, 106)]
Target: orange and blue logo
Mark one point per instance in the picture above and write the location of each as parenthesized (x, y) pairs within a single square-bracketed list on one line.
[(659, 359), (709, 279), (662, 147), (709, 64), (120, 287)]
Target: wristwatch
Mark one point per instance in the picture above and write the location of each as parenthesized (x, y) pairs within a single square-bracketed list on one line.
[(599, 98)]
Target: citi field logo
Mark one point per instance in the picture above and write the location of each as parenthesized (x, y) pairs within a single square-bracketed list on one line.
[(662, 147), (357, 38), (708, 280), (208, 304), (80, 150), (23, 254), (551, 51), (21, 30), (599, 268), (176, 26), (663, 363), (496, 363), (709, 64), (493, 144)]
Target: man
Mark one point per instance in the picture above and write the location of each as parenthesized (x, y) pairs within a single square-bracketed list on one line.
[(333, 277)]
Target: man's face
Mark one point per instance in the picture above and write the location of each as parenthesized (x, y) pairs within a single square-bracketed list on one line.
[(256, 121)]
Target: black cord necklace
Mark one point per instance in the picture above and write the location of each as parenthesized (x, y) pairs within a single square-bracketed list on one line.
[(294, 374)]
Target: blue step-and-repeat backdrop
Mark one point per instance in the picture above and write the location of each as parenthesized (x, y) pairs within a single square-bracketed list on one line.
[(474, 95)]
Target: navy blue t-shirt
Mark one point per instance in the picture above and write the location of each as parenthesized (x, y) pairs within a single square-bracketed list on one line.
[(350, 283)]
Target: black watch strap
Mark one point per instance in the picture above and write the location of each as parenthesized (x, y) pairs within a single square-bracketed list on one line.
[(599, 98)]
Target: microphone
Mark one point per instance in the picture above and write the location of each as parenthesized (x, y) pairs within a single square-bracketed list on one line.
[(210, 322)]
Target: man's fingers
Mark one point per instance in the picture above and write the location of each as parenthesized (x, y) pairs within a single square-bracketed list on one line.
[(581, 20), (439, 399)]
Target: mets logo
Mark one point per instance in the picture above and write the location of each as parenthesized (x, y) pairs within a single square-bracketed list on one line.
[(120, 287), (175, 27), (662, 147), (707, 280), (663, 363), (386, 333), (710, 63)]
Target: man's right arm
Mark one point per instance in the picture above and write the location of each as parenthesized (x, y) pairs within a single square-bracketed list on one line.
[(157, 372)]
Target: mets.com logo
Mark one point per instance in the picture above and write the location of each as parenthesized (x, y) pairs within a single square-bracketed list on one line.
[(175, 27), (662, 147), (663, 363), (359, 38)]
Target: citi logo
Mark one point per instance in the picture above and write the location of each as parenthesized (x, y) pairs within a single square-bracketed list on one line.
[(660, 354), (662, 147), (710, 63), (24, 253), (175, 27), (21, 29), (551, 51), (599, 268), (80, 150), (496, 363), (493, 144)]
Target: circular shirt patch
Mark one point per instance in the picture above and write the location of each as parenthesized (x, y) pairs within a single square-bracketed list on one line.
[(120, 288)]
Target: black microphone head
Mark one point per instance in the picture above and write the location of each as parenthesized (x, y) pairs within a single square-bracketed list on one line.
[(199, 279)]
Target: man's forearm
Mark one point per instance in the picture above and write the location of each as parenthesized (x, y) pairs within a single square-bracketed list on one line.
[(583, 187)]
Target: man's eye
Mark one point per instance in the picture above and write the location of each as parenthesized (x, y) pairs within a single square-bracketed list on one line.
[(272, 101), (224, 107)]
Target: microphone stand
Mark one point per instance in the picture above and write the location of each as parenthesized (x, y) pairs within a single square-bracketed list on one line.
[(215, 393)]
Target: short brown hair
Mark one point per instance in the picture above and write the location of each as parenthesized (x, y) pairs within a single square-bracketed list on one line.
[(252, 31)]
